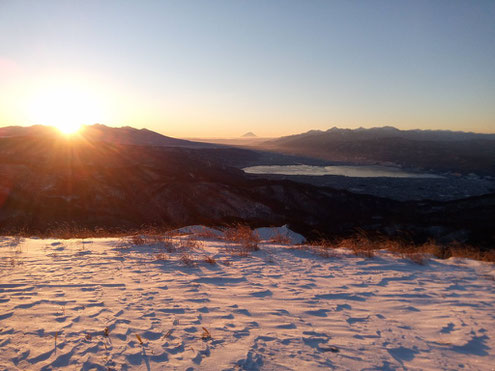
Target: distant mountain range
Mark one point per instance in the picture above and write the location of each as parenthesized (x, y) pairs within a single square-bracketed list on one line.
[(423, 150), (388, 132), (98, 132), (436, 150), (250, 135), (47, 181)]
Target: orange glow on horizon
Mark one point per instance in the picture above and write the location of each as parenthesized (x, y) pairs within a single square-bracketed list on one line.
[(66, 106), (69, 129)]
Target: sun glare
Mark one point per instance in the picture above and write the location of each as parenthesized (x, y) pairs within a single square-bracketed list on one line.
[(66, 107), (69, 128)]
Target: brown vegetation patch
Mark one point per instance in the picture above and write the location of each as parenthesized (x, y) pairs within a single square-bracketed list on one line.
[(360, 245), (365, 246), (189, 243), (210, 260), (161, 257), (187, 260), (245, 237)]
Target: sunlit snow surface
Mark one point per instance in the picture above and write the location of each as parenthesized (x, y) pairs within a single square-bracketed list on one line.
[(279, 308)]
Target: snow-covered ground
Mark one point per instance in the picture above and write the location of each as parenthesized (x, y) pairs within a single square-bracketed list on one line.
[(108, 304)]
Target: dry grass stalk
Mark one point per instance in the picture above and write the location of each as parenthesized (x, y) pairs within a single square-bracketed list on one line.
[(189, 244), (326, 253), (323, 248), (15, 261), (281, 239), (210, 260), (206, 334), (207, 234), (187, 260), (406, 250), (168, 333), (244, 236), (73, 231), (489, 256), (165, 241), (139, 240), (161, 257), (416, 257), (239, 251), (240, 233), (360, 245)]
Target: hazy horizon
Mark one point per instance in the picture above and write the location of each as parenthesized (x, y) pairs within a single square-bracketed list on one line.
[(220, 69), (241, 136)]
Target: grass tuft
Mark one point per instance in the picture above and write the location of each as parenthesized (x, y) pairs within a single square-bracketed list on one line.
[(210, 260), (281, 239), (187, 260), (417, 257), (323, 248), (244, 236), (161, 257), (189, 243), (139, 240), (360, 245)]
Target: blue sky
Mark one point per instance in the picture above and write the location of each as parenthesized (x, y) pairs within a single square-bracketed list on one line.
[(221, 68)]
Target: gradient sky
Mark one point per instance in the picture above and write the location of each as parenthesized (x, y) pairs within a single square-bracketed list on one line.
[(221, 68)]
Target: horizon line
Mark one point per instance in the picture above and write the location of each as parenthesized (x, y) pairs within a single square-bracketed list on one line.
[(190, 137)]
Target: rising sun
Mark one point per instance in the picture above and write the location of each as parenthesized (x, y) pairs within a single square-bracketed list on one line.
[(68, 129), (66, 107)]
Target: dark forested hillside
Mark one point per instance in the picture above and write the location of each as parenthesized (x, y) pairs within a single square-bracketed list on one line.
[(441, 151)]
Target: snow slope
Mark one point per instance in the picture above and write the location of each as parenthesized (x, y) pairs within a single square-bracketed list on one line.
[(108, 304)]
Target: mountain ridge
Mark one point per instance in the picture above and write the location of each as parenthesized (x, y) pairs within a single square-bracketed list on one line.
[(99, 132), (426, 150), (391, 131)]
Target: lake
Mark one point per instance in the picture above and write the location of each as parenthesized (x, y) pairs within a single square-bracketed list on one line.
[(364, 171)]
